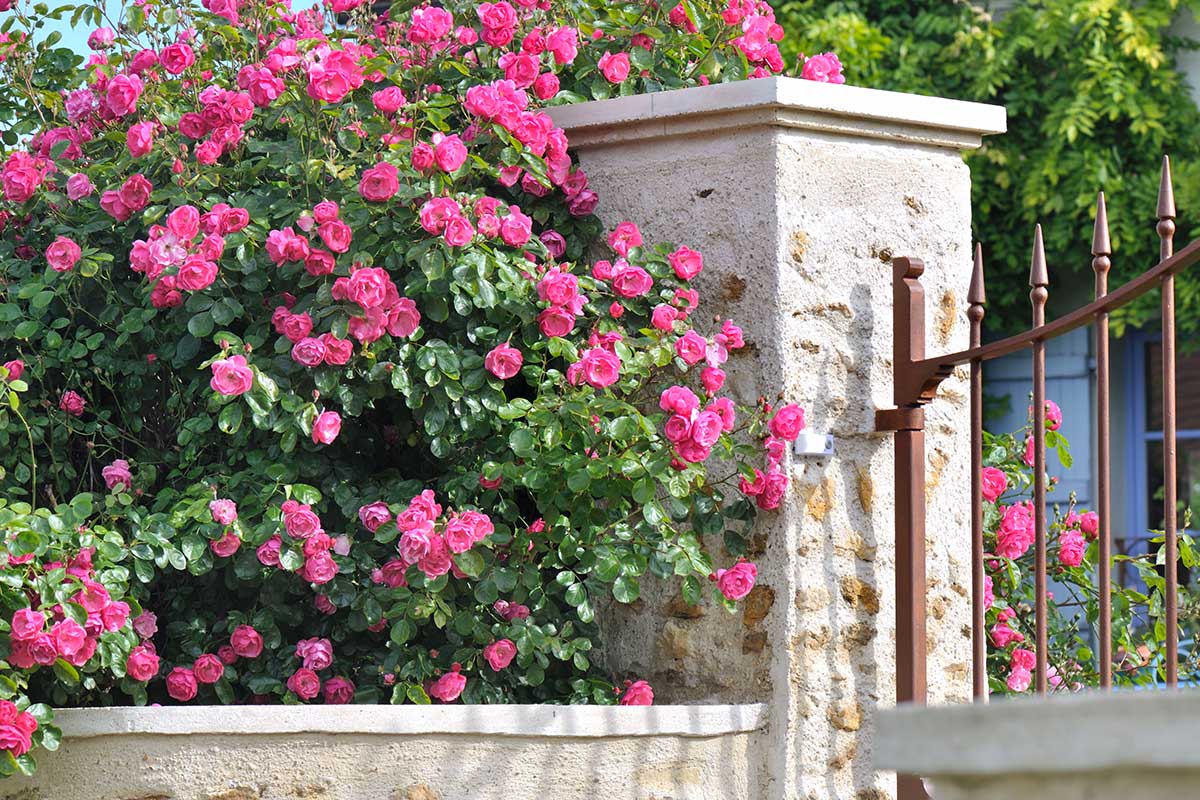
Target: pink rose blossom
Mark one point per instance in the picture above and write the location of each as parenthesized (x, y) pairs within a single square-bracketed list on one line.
[(63, 254), (499, 654), (181, 684), (737, 581), (638, 693), (448, 687), (326, 427), (503, 361), (71, 403), (614, 67), (995, 483), (117, 474), (338, 691), (246, 642), (231, 376), (315, 654), (223, 511), (304, 683), (142, 663), (788, 422)]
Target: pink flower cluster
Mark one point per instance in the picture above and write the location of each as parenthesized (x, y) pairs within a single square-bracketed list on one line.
[(1016, 532), (693, 431), (16, 729), (316, 655), (445, 217), (385, 311), (183, 683), (768, 488), (426, 539), (178, 247), (222, 117), (38, 639)]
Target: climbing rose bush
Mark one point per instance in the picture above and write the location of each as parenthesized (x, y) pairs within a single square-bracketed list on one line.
[(1072, 549), (322, 381)]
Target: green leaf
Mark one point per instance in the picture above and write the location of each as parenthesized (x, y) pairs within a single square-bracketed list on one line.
[(626, 589)]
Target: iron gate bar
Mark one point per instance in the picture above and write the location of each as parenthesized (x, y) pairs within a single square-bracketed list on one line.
[(1039, 279), (1101, 264), (1166, 233)]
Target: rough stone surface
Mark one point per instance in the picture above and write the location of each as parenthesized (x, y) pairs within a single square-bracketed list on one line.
[(1094, 746), (798, 227), (110, 754)]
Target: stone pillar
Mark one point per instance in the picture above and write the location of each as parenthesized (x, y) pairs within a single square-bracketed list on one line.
[(798, 194)]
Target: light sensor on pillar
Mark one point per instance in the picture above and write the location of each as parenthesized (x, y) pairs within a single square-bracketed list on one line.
[(813, 445)]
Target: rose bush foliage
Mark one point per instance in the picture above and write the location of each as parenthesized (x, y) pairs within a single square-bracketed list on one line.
[(1138, 621), (322, 381)]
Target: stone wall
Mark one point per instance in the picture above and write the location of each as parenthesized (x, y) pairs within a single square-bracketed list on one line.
[(798, 195), (402, 753), (1089, 746)]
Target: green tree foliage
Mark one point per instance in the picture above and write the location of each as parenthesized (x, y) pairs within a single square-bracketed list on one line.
[(1094, 100)]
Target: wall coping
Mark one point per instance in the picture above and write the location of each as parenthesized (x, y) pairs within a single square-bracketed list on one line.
[(786, 102), (1079, 733), (588, 722)]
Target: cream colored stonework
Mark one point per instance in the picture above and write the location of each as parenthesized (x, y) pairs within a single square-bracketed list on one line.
[(798, 195), (402, 753), (1124, 746)]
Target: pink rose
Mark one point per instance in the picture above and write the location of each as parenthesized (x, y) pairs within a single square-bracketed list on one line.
[(687, 263), (737, 581), (824, 68), (184, 222), (679, 400), (499, 654), (231, 376), (223, 511), (327, 427), (142, 664), (389, 100), (71, 403), (516, 229), (197, 273), (177, 57), (69, 637), (63, 254), (304, 683), (335, 234), (117, 474), (614, 67), (556, 321), (139, 139), (1003, 636), (1016, 532), (503, 361), (338, 691), (437, 561), (1019, 678), (449, 152), (1089, 523), (374, 515), (706, 429), (415, 544), (379, 183), (145, 624), (309, 352), (225, 546), (27, 624), (773, 490), (712, 379), (995, 482), (448, 687), (15, 369), (268, 551), (788, 422), (246, 641), (122, 94), (320, 568), (79, 186), (691, 347), (181, 684), (632, 282), (1071, 548), (637, 693), (600, 367), (315, 654)]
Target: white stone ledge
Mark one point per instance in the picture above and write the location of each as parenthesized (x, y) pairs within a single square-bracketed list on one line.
[(786, 102), (536, 721), (1083, 733)]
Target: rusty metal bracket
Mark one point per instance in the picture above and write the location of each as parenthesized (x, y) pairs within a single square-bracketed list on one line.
[(905, 418)]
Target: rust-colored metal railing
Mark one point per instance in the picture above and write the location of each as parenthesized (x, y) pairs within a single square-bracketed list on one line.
[(917, 377)]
